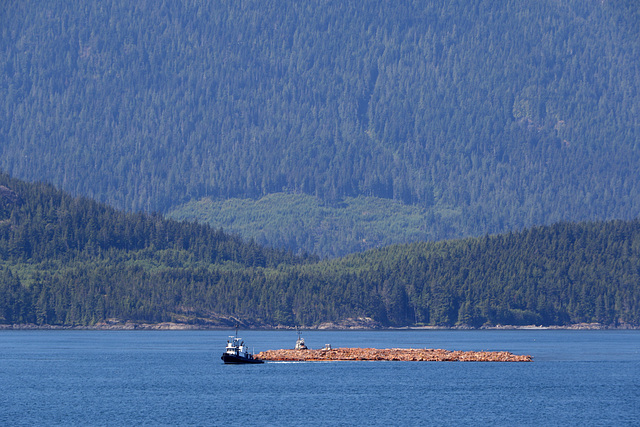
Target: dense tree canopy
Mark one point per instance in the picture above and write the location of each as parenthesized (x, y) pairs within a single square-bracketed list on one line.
[(508, 113), (71, 261)]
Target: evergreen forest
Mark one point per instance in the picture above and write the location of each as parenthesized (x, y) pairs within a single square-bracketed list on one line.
[(480, 117), (70, 261)]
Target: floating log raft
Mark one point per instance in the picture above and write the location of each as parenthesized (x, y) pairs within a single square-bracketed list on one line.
[(399, 354)]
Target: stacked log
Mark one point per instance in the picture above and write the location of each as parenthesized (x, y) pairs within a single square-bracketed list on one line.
[(396, 354)]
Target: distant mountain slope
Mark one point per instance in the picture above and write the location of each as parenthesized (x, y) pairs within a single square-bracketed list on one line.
[(299, 222), (74, 262), (513, 113)]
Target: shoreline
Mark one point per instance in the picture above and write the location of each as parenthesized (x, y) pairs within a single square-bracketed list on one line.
[(170, 326)]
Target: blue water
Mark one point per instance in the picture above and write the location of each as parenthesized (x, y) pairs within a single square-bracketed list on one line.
[(111, 378)]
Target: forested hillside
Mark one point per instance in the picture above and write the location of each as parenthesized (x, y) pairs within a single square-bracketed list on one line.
[(73, 262), (559, 274), (67, 260), (509, 113), (304, 223)]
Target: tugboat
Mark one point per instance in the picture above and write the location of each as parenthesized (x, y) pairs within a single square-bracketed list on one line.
[(237, 352)]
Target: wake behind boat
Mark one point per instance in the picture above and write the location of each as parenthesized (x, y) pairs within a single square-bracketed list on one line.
[(237, 352)]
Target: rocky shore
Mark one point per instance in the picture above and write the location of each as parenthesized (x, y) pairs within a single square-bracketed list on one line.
[(396, 354), (227, 323)]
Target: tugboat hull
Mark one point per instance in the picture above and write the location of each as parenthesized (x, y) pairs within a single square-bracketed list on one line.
[(232, 359), (237, 353)]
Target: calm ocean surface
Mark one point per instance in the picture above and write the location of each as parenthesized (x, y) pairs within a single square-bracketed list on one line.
[(155, 378)]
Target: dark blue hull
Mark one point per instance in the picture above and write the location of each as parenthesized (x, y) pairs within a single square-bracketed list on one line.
[(232, 359)]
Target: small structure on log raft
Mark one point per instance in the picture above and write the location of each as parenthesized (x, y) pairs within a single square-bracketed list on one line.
[(300, 345)]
